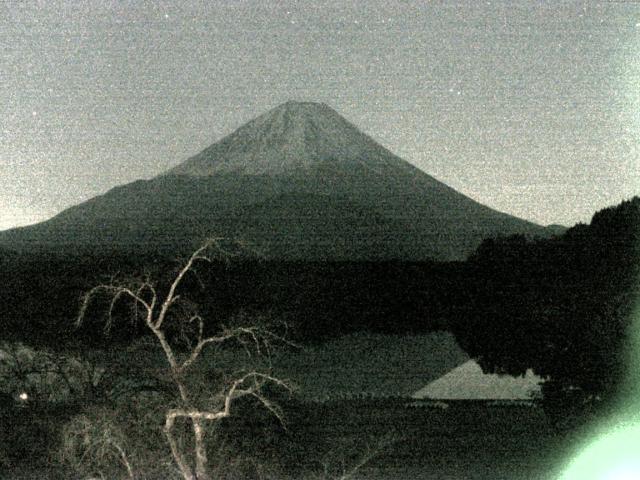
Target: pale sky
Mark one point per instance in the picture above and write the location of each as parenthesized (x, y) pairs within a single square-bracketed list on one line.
[(532, 108)]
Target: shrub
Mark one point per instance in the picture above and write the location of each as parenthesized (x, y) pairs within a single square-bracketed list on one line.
[(94, 444)]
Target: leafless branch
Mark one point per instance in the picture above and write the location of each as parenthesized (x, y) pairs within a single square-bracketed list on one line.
[(171, 297), (116, 292), (157, 312)]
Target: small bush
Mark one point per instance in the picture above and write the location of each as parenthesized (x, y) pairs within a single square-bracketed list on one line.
[(94, 444)]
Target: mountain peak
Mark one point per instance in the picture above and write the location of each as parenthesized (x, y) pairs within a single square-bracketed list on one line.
[(292, 136), (301, 105), (296, 107)]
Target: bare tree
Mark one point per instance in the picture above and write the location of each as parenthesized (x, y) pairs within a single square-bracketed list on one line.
[(158, 311)]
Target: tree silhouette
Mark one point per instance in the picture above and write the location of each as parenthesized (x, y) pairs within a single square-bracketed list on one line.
[(158, 311), (561, 306)]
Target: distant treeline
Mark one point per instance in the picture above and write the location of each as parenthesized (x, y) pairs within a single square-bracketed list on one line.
[(40, 296), (561, 306)]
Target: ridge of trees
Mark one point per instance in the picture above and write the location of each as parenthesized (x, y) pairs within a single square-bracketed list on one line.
[(561, 306)]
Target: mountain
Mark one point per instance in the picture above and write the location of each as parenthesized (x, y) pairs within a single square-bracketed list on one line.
[(298, 182), (294, 137)]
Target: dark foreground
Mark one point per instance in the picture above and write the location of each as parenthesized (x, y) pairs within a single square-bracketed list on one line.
[(392, 440), (467, 440)]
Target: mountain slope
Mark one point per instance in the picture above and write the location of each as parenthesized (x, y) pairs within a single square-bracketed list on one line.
[(300, 182), (292, 137)]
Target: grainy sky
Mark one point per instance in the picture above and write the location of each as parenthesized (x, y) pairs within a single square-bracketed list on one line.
[(531, 107)]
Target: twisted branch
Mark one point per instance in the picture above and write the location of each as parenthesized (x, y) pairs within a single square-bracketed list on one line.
[(144, 295)]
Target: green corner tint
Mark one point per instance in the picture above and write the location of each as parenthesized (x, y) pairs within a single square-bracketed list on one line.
[(612, 450)]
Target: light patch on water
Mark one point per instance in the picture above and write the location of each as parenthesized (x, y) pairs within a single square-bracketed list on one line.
[(468, 382)]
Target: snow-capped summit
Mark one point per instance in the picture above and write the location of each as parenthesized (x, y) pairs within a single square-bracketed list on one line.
[(292, 136)]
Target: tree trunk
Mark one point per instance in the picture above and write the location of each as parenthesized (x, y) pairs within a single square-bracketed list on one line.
[(201, 450), (185, 470)]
